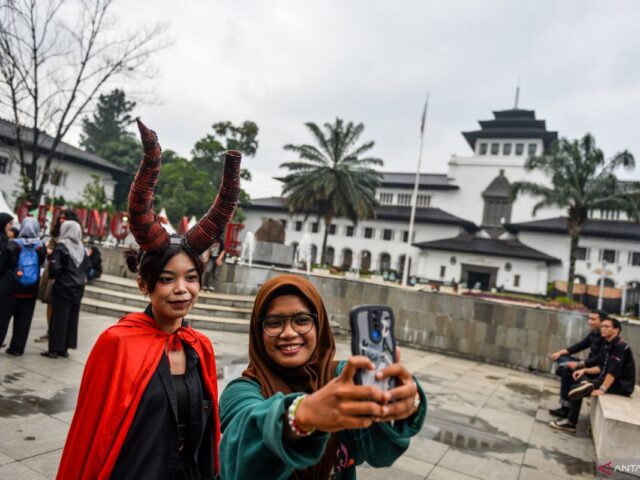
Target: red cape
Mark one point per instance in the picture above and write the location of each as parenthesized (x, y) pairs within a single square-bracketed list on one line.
[(116, 375)]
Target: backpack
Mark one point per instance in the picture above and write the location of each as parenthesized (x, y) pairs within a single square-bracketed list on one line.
[(27, 270)]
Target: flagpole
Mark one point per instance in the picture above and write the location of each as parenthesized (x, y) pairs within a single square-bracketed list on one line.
[(414, 203)]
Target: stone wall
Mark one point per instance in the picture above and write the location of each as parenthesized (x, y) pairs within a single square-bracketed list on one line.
[(515, 336)]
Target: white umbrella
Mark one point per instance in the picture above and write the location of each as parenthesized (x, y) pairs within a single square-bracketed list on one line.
[(164, 220), (192, 221), (4, 207)]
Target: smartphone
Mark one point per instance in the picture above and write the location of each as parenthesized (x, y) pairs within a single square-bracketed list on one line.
[(372, 336)]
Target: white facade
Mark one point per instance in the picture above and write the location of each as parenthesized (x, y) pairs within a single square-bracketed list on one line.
[(71, 177), (513, 274), (464, 192), (621, 271), (383, 253)]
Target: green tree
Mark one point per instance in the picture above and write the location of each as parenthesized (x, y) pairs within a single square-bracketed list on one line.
[(105, 134), (208, 156), (332, 179), (581, 181), (188, 187)]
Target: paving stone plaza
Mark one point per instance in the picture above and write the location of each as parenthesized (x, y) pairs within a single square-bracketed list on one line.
[(483, 422)]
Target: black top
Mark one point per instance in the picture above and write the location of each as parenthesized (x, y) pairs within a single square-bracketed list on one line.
[(153, 449), (617, 359), (70, 278), (8, 262), (593, 341), (95, 260)]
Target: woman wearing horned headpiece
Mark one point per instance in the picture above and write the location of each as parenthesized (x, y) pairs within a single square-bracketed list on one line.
[(148, 401)]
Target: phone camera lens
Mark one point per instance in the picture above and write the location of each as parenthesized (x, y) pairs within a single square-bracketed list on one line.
[(375, 335)]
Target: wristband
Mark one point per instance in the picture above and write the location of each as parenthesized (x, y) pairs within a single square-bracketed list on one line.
[(293, 408), (603, 388)]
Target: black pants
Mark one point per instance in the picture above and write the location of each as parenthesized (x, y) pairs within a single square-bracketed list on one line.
[(21, 309), (63, 331), (566, 377), (576, 405)]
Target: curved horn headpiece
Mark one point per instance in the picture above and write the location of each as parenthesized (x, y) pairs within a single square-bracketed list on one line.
[(143, 222), (204, 233)]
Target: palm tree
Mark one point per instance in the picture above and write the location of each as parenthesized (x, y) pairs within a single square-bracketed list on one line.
[(581, 181), (332, 179)]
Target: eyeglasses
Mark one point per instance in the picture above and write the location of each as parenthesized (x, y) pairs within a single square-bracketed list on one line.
[(301, 323)]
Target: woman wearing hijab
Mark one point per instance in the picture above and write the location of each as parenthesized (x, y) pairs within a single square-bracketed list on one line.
[(148, 402), (296, 412), (18, 291), (68, 265)]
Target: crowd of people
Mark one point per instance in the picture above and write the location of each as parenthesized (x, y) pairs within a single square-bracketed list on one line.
[(149, 406), (53, 269)]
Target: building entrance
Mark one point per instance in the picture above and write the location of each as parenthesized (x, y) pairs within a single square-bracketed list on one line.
[(475, 276)]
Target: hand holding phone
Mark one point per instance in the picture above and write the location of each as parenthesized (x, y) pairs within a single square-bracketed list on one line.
[(372, 336)]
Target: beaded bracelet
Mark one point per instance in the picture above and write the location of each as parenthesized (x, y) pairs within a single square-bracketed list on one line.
[(293, 408)]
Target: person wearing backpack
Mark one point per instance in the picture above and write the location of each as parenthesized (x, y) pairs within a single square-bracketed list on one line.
[(68, 265), (19, 280)]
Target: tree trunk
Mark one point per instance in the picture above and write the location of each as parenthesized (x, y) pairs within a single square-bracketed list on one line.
[(573, 253), (327, 223)]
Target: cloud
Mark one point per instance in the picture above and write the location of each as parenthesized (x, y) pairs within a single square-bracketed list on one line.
[(282, 63)]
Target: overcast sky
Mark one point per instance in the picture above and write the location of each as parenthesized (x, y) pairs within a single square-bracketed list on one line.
[(283, 63)]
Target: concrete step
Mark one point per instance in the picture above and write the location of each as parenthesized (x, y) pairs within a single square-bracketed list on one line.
[(207, 322), (129, 285), (140, 302)]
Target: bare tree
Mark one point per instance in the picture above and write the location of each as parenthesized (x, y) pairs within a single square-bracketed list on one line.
[(52, 70)]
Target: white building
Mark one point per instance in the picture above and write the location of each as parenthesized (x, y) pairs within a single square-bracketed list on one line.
[(72, 168), (467, 228)]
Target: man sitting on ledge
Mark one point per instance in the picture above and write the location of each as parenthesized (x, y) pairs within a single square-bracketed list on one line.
[(568, 363), (615, 370)]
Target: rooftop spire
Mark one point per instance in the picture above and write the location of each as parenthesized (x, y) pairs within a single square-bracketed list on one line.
[(517, 92)]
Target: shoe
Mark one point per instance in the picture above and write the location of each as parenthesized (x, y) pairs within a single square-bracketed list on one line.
[(49, 354), (64, 354), (11, 352), (561, 412), (42, 339), (564, 425), (584, 390)]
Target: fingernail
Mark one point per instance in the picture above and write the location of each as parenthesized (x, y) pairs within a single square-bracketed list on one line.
[(385, 411), (379, 375)]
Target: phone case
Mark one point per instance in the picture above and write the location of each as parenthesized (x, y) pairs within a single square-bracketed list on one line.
[(372, 336)]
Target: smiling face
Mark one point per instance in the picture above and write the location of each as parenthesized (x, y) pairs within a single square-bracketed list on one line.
[(289, 349), (176, 290)]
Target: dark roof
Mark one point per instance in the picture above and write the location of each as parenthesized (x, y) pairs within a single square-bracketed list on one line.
[(513, 123), (423, 215), (432, 181), (488, 246), (499, 187), (593, 228), (64, 151)]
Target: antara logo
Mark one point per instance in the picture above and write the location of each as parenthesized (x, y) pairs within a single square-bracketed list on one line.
[(606, 469), (609, 468)]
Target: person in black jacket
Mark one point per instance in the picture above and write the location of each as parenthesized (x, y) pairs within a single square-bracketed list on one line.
[(567, 363), (68, 265), (6, 223), (613, 371), (95, 262), (18, 298)]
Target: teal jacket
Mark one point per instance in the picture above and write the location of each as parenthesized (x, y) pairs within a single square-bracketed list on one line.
[(252, 445)]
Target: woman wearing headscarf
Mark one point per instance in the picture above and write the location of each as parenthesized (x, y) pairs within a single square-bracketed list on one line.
[(68, 265), (148, 401), (19, 284), (296, 412)]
